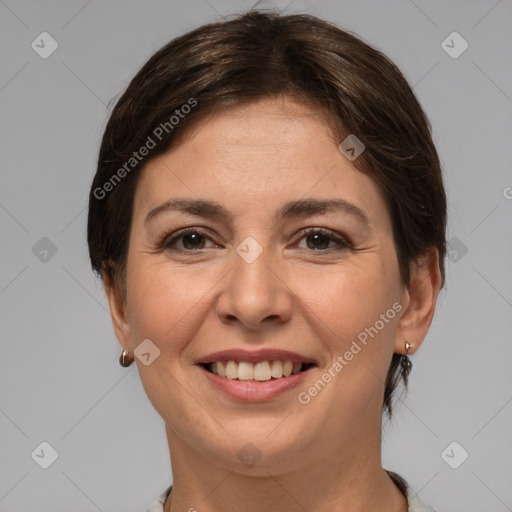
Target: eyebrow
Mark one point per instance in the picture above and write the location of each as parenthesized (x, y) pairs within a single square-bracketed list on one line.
[(292, 209)]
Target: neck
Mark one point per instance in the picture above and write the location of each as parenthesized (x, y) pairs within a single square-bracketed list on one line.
[(334, 476)]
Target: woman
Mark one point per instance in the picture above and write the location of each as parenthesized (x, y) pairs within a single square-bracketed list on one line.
[(268, 219)]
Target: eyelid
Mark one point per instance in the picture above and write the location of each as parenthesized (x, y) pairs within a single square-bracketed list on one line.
[(167, 238), (341, 240)]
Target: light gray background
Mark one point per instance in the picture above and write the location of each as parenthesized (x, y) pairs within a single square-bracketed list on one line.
[(59, 376)]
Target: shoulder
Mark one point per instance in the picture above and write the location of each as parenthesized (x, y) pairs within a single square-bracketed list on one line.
[(413, 500), (158, 505), (415, 504)]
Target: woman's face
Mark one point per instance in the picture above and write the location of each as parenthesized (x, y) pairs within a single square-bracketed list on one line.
[(263, 269)]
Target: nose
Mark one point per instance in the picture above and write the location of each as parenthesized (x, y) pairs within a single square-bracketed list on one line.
[(255, 295)]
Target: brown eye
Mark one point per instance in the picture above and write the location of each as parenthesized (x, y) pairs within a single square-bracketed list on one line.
[(318, 240), (192, 241), (187, 240)]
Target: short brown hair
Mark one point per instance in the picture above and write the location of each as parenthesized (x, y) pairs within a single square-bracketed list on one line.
[(264, 54)]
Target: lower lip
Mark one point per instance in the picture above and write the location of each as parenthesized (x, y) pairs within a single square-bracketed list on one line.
[(254, 391)]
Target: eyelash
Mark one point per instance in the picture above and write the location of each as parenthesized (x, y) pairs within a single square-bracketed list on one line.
[(166, 244)]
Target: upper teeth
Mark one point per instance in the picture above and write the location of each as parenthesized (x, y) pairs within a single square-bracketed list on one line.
[(261, 371)]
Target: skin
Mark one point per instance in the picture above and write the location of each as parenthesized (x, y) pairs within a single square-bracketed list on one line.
[(321, 456)]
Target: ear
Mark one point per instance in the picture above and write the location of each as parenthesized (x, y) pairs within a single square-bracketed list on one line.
[(118, 313), (419, 300)]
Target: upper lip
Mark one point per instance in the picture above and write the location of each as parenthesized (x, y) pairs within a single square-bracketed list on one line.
[(255, 356)]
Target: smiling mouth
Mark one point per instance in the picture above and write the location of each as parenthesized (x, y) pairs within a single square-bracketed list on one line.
[(259, 372)]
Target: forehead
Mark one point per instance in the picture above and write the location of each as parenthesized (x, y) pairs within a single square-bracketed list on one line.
[(273, 150)]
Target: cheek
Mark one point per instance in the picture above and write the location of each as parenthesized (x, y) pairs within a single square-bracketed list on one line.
[(359, 310), (359, 314), (165, 306), (352, 298), (163, 301)]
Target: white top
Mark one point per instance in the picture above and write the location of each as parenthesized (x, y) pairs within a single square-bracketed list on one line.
[(415, 504)]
